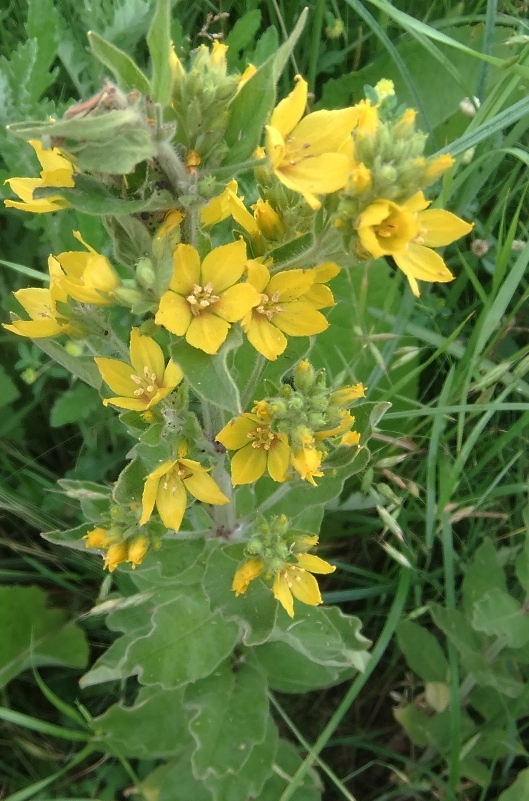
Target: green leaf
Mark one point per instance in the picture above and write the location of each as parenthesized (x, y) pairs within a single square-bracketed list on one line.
[(209, 376), (498, 614), (81, 368), (33, 635), (174, 781), (483, 574), (253, 105), (178, 562), (117, 155), (423, 653), (154, 727), (74, 405), (415, 723), (159, 44), (519, 789), (90, 197), (321, 648), (8, 389), (124, 69), (102, 127), (255, 611), (129, 486), (228, 716), (130, 239), (243, 32)]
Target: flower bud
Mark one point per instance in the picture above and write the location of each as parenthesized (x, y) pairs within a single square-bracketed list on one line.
[(145, 274)]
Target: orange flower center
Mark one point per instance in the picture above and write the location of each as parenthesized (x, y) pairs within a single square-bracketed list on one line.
[(269, 306), (147, 385), (262, 437), (201, 297)]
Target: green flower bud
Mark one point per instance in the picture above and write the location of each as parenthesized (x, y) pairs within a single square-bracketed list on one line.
[(145, 274)]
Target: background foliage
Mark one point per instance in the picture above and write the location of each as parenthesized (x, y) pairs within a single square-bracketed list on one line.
[(432, 547)]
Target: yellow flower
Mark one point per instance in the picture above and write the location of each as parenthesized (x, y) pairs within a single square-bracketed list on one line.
[(407, 233), (166, 488), (97, 538), (88, 277), (346, 395), (137, 549), (118, 550), (41, 306), (268, 220), (56, 171), (283, 308), (305, 153), (146, 382), (436, 167), (319, 294), (229, 204), (203, 300), (258, 449), (116, 555), (297, 581)]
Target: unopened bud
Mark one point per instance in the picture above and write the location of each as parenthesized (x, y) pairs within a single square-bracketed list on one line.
[(145, 274), (469, 107), (127, 296)]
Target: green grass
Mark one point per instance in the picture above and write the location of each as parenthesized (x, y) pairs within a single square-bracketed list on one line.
[(452, 455)]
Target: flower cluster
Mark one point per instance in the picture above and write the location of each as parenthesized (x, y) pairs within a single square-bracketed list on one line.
[(291, 429), (279, 555), (196, 264)]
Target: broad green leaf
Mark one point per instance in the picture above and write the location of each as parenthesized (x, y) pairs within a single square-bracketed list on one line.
[(179, 561), (84, 369), (484, 573), (74, 405), (423, 653), (320, 647), (228, 716), (500, 615), (174, 781), (124, 69), (129, 486), (154, 727), (118, 155), (243, 32), (159, 43), (186, 641), (209, 376), (415, 723), (130, 239), (255, 611), (90, 197), (83, 129), (519, 789), (249, 780), (33, 634)]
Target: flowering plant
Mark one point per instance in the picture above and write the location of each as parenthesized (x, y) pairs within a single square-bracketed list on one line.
[(197, 326)]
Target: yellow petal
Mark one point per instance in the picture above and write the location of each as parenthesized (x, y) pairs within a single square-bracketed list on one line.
[(282, 593), (173, 313), (300, 319), (207, 332), (35, 329), (248, 464), (218, 208), (314, 564), (117, 375), (186, 270), (116, 555), (290, 284), (351, 438), (137, 550), (422, 263), (172, 375), (289, 111), (50, 159), (265, 337), (246, 573), (236, 301), (439, 227), (304, 587), (146, 353), (316, 176), (148, 499), (97, 538), (319, 296), (275, 147), (242, 216), (171, 501), (132, 404), (234, 435), (258, 274), (204, 488), (324, 131), (224, 266), (278, 458)]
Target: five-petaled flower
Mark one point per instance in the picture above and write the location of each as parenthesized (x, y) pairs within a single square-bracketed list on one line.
[(258, 449), (204, 299), (146, 382), (407, 233), (166, 488), (284, 308), (57, 171), (309, 155)]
